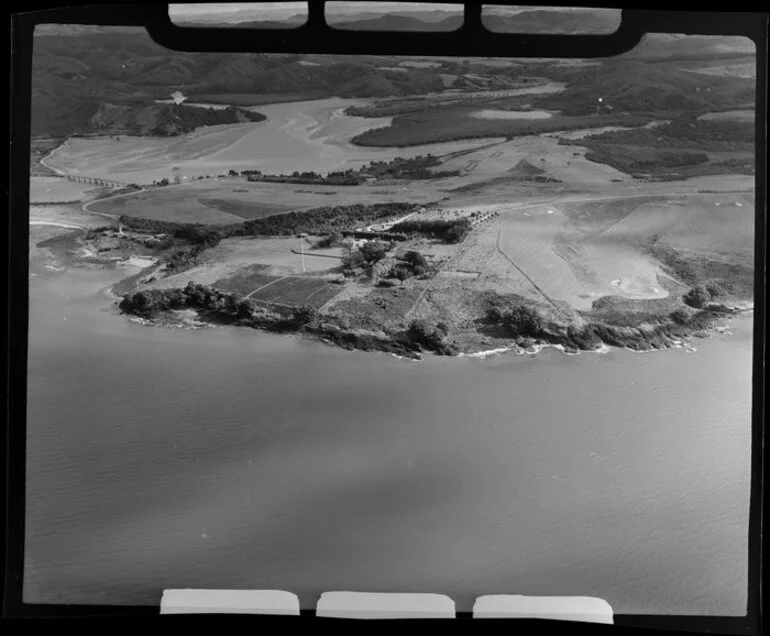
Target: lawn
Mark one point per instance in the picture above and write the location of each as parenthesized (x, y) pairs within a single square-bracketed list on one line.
[(245, 280), (296, 291), (244, 209)]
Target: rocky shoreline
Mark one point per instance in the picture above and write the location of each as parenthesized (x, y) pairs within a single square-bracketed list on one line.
[(197, 306)]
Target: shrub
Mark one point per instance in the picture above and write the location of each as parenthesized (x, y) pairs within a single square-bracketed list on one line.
[(305, 314), (715, 289), (679, 316)]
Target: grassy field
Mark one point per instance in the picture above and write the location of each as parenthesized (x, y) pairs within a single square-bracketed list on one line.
[(234, 200), (246, 280), (172, 203), (296, 291), (245, 209), (292, 291), (378, 309)]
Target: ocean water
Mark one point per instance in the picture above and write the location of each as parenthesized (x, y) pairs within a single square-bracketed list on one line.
[(229, 458)]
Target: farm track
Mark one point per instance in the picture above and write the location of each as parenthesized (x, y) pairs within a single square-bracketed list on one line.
[(525, 275), (261, 287)]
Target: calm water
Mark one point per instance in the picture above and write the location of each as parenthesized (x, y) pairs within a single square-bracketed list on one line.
[(229, 458)]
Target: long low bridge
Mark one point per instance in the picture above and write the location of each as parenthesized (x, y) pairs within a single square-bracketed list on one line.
[(96, 181)]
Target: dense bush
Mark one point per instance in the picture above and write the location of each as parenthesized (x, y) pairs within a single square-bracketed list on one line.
[(428, 336), (449, 230), (697, 297), (150, 303), (323, 220), (333, 239), (683, 133), (715, 289), (305, 314), (679, 316), (373, 251), (523, 321), (347, 178), (518, 319)]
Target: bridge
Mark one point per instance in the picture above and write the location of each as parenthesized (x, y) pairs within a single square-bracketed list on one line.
[(96, 181)]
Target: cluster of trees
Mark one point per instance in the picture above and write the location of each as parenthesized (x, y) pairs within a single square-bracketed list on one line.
[(679, 316), (633, 159), (684, 132), (449, 230), (328, 220), (339, 178), (412, 168), (182, 259), (190, 233), (149, 303), (332, 239), (432, 337), (701, 295), (397, 168), (177, 119), (323, 220), (229, 306), (412, 264), (519, 320), (454, 122), (387, 109), (365, 257)]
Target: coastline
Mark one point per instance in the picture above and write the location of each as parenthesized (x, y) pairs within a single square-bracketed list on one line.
[(399, 345), (43, 160)]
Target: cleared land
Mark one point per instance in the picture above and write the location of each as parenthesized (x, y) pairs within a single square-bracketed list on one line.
[(46, 190), (234, 199), (566, 219)]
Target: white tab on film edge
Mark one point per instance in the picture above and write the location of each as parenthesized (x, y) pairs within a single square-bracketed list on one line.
[(384, 605), (566, 608), (229, 602)]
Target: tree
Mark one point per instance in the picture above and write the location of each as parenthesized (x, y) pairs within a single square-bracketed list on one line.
[(458, 231), (354, 260), (332, 239), (373, 251), (415, 259)]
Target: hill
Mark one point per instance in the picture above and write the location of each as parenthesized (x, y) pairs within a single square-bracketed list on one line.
[(525, 169), (623, 85), (74, 74), (162, 120)]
